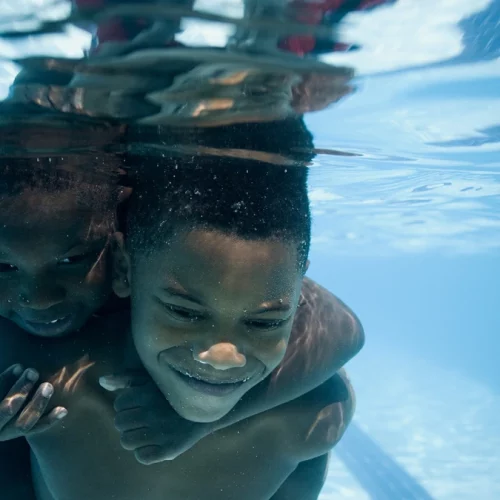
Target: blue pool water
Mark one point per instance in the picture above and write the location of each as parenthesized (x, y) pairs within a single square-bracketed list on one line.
[(408, 234)]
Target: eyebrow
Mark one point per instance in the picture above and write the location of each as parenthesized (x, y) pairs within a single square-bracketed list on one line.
[(280, 307)]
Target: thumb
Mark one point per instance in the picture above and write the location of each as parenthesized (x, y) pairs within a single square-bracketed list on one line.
[(121, 381)]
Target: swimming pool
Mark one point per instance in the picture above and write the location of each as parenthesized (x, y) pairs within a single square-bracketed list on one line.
[(404, 193)]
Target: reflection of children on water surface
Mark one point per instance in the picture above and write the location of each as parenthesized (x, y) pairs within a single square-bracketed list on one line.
[(268, 259)]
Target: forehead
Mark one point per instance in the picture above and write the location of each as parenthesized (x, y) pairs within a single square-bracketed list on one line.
[(212, 262), (47, 221)]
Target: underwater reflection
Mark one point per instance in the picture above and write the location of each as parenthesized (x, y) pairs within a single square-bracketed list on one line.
[(137, 71), (173, 87)]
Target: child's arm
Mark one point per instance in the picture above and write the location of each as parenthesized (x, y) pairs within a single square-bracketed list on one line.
[(308, 428), (305, 482), (326, 335)]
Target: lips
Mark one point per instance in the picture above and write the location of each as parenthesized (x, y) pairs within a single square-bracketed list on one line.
[(48, 327), (211, 380), (209, 385)]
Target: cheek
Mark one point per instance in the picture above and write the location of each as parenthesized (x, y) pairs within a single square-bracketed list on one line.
[(99, 273), (6, 290), (91, 292), (150, 337), (6, 302), (150, 322), (271, 352), (97, 279), (9, 294)]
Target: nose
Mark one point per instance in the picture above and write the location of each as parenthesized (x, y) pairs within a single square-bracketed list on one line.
[(222, 356), (41, 294)]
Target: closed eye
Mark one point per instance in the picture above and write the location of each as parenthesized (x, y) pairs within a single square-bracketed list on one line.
[(263, 324), (182, 313)]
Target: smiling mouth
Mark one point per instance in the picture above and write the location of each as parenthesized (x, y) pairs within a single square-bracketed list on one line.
[(208, 386), (211, 381), (55, 326)]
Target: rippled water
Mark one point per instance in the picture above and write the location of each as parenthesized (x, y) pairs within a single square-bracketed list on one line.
[(401, 99)]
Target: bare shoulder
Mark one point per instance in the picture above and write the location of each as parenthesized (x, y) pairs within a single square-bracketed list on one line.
[(325, 321), (331, 313), (310, 426), (326, 334)]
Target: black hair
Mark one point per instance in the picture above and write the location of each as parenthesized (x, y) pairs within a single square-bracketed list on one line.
[(93, 176), (45, 177), (250, 199)]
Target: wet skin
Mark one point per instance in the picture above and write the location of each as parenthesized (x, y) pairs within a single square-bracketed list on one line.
[(82, 457), (54, 263), (211, 317), (247, 289)]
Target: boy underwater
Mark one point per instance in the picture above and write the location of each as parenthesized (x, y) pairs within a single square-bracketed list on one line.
[(194, 407)]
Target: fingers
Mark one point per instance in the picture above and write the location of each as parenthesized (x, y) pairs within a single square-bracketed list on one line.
[(139, 429), (148, 455), (35, 408), (135, 397), (16, 397), (134, 430), (122, 381), (50, 420), (130, 440), (8, 378), (128, 420)]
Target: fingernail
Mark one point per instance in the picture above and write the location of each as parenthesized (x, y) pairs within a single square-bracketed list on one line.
[(32, 375), (18, 369), (47, 390), (106, 383), (61, 413)]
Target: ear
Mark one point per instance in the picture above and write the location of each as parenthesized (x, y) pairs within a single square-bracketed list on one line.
[(121, 266)]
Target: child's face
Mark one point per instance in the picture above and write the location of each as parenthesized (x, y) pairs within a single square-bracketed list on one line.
[(54, 269), (211, 317)]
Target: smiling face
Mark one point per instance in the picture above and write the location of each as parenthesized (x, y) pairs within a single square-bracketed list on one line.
[(54, 269), (211, 316)]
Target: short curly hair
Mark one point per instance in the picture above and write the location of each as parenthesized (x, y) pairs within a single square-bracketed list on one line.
[(251, 199)]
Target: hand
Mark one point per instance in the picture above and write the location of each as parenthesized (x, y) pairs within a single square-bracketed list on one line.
[(147, 424), (20, 414)]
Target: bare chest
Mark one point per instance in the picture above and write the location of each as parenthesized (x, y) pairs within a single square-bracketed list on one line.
[(84, 460)]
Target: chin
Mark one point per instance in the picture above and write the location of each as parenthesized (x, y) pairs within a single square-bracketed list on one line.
[(199, 414)]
